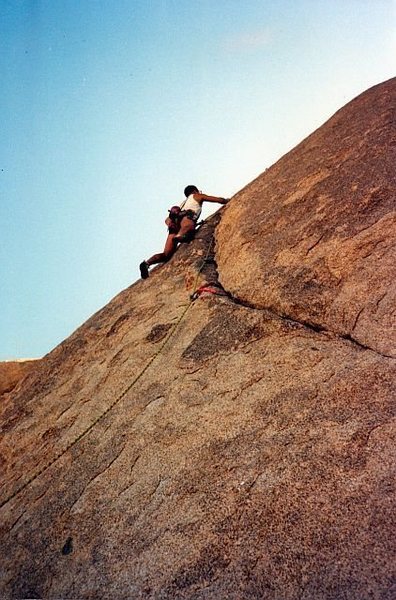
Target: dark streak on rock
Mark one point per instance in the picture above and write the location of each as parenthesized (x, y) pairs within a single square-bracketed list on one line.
[(158, 332), (68, 546)]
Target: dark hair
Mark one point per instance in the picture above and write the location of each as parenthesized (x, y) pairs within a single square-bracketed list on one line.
[(190, 189)]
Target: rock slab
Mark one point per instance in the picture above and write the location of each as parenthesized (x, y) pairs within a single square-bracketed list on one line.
[(313, 238), (239, 447), (13, 371)]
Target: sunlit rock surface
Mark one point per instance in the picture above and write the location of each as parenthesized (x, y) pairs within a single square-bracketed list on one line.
[(242, 446), (13, 371), (313, 238)]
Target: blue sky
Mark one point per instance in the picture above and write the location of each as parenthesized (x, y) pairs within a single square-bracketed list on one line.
[(110, 107)]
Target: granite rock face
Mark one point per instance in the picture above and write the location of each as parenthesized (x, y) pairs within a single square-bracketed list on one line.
[(241, 446), (13, 371), (313, 238)]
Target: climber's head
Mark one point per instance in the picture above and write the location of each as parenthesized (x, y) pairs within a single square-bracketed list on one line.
[(191, 189)]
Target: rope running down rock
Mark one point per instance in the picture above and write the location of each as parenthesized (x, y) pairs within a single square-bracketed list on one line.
[(118, 399)]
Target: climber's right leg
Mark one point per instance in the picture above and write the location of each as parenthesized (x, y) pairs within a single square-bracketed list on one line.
[(161, 257)]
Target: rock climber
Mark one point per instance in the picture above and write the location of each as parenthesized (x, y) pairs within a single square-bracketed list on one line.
[(181, 223)]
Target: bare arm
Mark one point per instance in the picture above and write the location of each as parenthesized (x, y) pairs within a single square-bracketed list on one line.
[(204, 198)]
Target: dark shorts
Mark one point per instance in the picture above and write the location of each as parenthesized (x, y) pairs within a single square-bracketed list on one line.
[(190, 214)]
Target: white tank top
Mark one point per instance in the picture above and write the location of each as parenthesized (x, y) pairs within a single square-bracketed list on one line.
[(191, 204)]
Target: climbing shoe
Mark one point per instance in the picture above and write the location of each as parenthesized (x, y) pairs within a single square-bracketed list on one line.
[(144, 272)]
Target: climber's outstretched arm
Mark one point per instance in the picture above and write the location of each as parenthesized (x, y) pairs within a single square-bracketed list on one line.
[(205, 198)]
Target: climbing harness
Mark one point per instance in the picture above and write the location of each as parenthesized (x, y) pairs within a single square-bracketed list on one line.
[(117, 400)]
